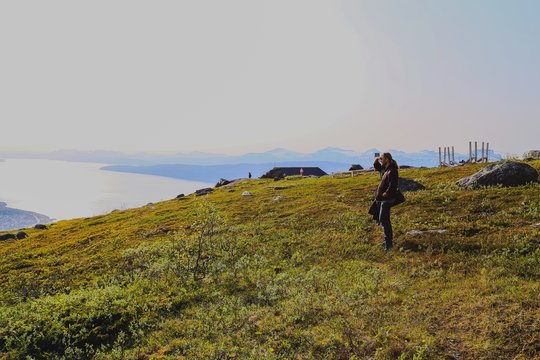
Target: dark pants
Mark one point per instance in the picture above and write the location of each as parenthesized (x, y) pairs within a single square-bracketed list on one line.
[(384, 219)]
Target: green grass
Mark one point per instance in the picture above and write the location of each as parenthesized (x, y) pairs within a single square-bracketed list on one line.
[(304, 277)]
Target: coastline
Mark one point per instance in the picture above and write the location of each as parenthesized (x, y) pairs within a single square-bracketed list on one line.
[(12, 218)]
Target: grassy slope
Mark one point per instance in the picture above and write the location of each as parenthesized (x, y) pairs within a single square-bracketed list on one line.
[(302, 277)]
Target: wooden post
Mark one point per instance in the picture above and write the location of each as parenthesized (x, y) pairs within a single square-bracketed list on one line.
[(445, 155), (483, 155), (470, 151), (440, 160), (487, 152), (476, 151)]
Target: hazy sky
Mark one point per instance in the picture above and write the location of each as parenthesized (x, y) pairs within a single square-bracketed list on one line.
[(237, 76)]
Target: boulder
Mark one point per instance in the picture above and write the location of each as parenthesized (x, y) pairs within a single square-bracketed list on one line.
[(422, 232), (163, 230), (533, 154), (278, 198), (246, 193), (410, 185), (356, 167), (40, 227), (21, 235), (204, 191), (7, 236), (506, 173), (279, 187), (223, 182), (275, 173)]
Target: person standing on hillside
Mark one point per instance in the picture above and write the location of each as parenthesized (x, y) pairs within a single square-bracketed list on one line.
[(386, 196)]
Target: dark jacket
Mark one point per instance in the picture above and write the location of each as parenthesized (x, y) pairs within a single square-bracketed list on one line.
[(388, 187)]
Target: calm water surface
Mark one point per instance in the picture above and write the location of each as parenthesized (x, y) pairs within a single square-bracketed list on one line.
[(65, 190)]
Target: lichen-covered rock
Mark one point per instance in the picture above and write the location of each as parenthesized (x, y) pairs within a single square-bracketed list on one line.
[(223, 182), (533, 154), (7, 236), (506, 173), (423, 232), (204, 191)]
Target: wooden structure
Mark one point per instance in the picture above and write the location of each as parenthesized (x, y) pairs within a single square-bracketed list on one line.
[(484, 158), (446, 154)]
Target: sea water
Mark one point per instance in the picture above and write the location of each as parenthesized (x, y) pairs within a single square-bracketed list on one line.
[(66, 190)]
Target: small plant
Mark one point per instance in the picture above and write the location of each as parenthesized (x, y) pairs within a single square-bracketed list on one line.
[(212, 248)]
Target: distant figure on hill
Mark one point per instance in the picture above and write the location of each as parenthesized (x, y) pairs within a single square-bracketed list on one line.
[(249, 175), (387, 195)]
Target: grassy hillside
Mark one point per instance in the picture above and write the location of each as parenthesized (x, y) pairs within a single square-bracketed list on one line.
[(302, 277)]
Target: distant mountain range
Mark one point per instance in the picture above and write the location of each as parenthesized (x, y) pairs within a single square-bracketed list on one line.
[(210, 168), (212, 173), (330, 154)]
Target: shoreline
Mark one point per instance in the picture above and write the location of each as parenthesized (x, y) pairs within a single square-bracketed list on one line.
[(13, 218)]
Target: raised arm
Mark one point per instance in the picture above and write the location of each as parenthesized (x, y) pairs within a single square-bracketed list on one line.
[(377, 165)]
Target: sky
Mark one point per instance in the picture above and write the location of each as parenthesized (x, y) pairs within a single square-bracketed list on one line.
[(239, 76)]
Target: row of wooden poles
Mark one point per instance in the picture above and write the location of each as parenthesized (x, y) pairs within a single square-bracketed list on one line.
[(485, 156), (446, 154), (443, 154)]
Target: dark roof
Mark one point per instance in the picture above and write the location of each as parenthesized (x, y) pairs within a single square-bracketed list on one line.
[(290, 171)]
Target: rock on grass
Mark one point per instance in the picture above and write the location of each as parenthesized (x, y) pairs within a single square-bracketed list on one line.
[(507, 173)]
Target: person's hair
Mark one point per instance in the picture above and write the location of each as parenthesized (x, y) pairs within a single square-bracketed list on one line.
[(390, 159)]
